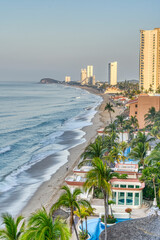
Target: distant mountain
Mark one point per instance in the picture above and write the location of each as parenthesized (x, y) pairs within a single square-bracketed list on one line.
[(49, 80)]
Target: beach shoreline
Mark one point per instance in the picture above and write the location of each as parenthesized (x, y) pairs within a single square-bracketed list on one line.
[(49, 191)]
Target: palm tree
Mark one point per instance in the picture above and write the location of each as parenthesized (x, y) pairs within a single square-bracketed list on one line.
[(110, 139), (96, 149), (69, 200), (110, 202), (123, 147), (150, 116), (110, 128), (109, 108), (128, 127), (13, 229), (42, 227), (120, 120), (88, 211), (139, 152), (142, 138), (151, 174), (153, 158), (83, 213), (116, 154), (79, 213), (100, 177), (134, 121), (155, 131)]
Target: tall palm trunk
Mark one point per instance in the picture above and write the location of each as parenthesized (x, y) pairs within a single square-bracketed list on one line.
[(105, 215), (72, 223), (75, 230), (110, 116), (122, 133), (111, 210), (82, 225), (154, 186), (107, 205), (71, 220), (86, 224)]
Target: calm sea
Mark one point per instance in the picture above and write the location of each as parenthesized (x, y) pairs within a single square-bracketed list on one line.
[(37, 121)]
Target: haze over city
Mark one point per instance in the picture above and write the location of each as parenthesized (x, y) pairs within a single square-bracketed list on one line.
[(56, 38)]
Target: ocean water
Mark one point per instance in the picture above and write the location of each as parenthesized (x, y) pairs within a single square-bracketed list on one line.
[(37, 121)]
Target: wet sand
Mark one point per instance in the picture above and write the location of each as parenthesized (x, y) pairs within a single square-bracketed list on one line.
[(48, 193)]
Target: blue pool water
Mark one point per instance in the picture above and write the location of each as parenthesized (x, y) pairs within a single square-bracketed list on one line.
[(95, 227), (129, 160)]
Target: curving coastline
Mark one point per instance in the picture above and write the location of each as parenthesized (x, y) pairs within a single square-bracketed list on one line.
[(49, 191)]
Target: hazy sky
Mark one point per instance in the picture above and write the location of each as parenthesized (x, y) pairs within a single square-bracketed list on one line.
[(54, 38)]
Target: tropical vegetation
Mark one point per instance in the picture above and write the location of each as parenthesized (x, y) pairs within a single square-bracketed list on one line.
[(13, 228), (70, 200)]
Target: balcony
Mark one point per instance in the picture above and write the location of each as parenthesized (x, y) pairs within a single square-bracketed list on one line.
[(75, 180), (83, 169)]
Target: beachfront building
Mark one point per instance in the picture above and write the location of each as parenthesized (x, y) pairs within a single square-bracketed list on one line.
[(87, 76), (141, 105), (77, 180), (127, 192), (149, 74), (84, 79), (67, 79), (89, 71), (112, 69)]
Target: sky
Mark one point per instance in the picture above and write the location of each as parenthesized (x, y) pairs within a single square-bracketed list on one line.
[(55, 38)]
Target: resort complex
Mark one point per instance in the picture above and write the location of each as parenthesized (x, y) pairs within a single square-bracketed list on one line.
[(80, 156)]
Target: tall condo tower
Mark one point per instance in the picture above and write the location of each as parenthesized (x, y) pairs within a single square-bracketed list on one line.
[(112, 69), (149, 69), (89, 71), (84, 79)]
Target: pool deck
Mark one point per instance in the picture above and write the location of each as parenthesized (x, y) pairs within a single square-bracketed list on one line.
[(136, 213)]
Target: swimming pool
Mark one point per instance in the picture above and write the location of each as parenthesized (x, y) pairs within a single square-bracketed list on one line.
[(95, 227), (129, 160)]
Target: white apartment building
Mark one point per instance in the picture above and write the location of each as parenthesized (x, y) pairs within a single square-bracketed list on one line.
[(149, 69), (112, 68), (89, 71), (84, 79), (67, 79)]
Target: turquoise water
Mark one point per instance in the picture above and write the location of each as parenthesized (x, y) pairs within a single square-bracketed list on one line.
[(129, 160), (95, 227), (36, 121)]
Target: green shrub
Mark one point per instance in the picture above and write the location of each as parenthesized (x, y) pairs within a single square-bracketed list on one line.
[(148, 192), (83, 235), (110, 219)]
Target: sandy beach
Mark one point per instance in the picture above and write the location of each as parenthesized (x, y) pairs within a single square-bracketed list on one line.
[(49, 191)]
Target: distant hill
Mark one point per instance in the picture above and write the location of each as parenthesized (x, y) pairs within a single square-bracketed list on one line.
[(49, 80), (133, 81)]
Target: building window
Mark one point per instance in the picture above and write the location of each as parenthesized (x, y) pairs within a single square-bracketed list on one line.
[(137, 186), (114, 196), (121, 198), (129, 198), (136, 112), (136, 199), (136, 105), (116, 185), (123, 186), (130, 186)]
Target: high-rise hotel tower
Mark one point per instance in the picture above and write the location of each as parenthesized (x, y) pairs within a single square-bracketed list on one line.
[(112, 70), (149, 71)]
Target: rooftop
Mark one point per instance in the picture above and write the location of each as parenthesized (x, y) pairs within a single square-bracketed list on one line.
[(75, 180), (147, 228), (83, 169)]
